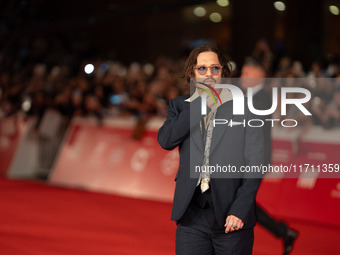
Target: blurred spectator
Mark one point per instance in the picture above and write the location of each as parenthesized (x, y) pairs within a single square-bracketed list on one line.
[(331, 116), (263, 54), (315, 71)]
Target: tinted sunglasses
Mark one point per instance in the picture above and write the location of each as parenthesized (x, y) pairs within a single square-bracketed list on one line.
[(215, 69)]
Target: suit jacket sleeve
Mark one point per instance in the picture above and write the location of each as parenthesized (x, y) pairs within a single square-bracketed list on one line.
[(244, 201), (176, 126)]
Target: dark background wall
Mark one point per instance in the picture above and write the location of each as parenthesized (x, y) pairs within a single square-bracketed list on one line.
[(142, 31)]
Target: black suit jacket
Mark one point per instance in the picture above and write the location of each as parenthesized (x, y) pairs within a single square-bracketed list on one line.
[(236, 146)]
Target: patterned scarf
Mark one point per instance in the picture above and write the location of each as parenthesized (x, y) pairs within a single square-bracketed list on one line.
[(205, 174)]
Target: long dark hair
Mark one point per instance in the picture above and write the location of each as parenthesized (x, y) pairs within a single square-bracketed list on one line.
[(192, 60)]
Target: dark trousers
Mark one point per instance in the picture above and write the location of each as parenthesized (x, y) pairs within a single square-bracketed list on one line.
[(198, 232), (277, 228)]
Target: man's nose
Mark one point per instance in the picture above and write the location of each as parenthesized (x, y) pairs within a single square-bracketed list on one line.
[(209, 73)]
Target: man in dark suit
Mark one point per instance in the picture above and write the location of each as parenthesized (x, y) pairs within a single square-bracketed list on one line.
[(253, 76), (214, 212)]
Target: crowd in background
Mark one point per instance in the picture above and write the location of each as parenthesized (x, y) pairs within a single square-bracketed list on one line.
[(47, 77), (45, 74)]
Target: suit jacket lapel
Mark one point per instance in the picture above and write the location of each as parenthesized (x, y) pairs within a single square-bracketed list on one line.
[(223, 112), (195, 118)]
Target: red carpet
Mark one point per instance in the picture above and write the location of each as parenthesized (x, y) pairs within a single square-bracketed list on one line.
[(40, 219)]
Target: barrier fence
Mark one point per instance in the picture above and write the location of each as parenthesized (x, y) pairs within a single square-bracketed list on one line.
[(106, 158)]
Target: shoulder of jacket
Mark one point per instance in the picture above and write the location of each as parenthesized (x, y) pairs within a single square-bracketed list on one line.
[(180, 99)]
